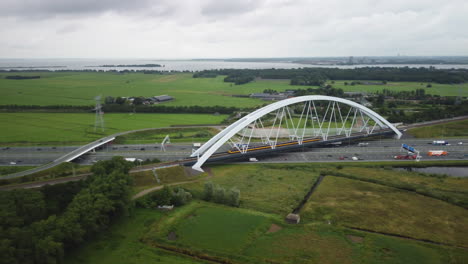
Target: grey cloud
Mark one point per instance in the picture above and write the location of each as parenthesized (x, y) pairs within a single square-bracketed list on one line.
[(68, 29), (41, 9), (229, 7)]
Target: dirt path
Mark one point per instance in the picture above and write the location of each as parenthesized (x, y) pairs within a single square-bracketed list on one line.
[(144, 192)]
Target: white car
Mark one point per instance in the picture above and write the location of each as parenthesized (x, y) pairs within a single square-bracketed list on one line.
[(12, 163), (354, 158), (460, 143)]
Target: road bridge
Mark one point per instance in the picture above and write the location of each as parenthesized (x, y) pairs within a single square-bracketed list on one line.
[(304, 120)]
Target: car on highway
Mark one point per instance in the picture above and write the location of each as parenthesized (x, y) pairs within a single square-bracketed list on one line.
[(354, 158), (341, 158), (12, 163), (460, 143)]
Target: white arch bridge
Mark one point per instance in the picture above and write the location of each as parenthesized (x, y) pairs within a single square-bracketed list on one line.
[(292, 123)]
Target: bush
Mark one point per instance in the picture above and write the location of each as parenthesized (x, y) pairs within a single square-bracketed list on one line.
[(208, 191), (218, 194), (165, 196)]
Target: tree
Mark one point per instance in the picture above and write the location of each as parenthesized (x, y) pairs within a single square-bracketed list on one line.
[(233, 197), (208, 191), (181, 197), (138, 100), (109, 100), (120, 100), (219, 195), (380, 99)]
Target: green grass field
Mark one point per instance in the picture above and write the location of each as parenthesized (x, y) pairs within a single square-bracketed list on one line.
[(452, 129), (220, 229), (456, 189), (243, 236), (436, 89), (325, 244), (145, 179), (265, 188), (198, 134), (4, 170), (385, 209), (78, 88), (69, 129), (120, 244)]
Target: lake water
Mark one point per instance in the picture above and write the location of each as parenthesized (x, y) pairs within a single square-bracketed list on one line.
[(174, 65), (450, 171)]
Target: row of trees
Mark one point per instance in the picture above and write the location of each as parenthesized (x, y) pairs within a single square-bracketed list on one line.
[(20, 77), (122, 108), (40, 226), (417, 94), (433, 113), (215, 193), (323, 90), (303, 76)]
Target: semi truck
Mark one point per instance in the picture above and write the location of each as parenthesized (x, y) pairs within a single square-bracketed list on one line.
[(440, 142), (406, 157), (437, 153)]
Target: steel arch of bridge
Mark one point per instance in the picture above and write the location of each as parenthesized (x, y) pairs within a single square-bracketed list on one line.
[(210, 147)]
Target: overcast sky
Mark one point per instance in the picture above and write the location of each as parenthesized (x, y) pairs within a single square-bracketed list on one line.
[(231, 28)]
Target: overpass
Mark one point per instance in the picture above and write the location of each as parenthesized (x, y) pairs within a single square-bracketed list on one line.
[(65, 158)]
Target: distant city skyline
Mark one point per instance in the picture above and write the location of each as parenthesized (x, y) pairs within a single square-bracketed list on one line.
[(219, 29)]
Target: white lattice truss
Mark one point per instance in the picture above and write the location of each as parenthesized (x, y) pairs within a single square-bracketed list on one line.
[(334, 120)]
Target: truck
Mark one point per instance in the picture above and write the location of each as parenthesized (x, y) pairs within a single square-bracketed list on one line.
[(437, 153), (406, 157), (440, 142)]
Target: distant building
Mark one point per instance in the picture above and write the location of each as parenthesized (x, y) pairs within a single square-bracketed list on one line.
[(162, 98), (354, 94), (269, 97)]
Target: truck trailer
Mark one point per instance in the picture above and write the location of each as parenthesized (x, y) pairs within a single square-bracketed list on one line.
[(437, 153)]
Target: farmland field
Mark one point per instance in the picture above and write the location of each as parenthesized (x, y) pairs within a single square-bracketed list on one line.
[(79, 88), (270, 189), (199, 134), (451, 129), (74, 128), (121, 244), (385, 209)]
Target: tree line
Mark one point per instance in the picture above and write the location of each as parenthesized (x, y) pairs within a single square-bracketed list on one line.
[(317, 76), (433, 113), (19, 77), (40, 226), (122, 108)]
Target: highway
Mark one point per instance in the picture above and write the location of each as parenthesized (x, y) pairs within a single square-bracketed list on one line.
[(384, 149)]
